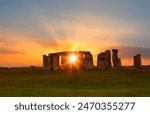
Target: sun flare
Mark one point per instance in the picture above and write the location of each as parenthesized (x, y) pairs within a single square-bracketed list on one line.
[(72, 58)]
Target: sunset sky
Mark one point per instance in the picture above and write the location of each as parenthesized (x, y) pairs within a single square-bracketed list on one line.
[(31, 28)]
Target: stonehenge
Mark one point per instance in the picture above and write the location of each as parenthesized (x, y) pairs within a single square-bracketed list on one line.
[(116, 61), (84, 60), (108, 59), (137, 61), (88, 61), (101, 61), (60, 61), (45, 62), (104, 60)]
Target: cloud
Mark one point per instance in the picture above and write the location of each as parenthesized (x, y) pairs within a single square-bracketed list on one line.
[(130, 51), (11, 42), (60, 33), (10, 52)]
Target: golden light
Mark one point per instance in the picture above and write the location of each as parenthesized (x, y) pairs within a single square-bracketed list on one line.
[(72, 58)]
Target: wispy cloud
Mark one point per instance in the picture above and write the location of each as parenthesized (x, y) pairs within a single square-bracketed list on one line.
[(9, 52), (130, 51), (33, 28)]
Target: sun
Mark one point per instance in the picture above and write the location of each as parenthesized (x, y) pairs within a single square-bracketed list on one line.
[(72, 58)]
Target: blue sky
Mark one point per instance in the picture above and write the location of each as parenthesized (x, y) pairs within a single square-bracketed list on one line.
[(56, 25)]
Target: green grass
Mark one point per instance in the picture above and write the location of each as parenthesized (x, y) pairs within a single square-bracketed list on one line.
[(36, 82)]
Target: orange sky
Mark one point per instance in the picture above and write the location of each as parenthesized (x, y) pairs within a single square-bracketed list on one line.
[(29, 30), (23, 48), (25, 52)]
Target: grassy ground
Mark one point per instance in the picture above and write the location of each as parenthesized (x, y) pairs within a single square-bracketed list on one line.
[(35, 82)]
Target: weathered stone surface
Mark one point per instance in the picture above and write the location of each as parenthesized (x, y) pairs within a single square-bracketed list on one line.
[(80, 61), (64, 61), (88, 61), (137, 61), (116, 61), (60, 60), (104, 60), (108, 59), (56, 62), (50, 62), (44, 62), (101, 61), (115, 58)]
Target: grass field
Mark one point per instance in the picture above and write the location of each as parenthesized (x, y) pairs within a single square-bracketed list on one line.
[(36, 82)]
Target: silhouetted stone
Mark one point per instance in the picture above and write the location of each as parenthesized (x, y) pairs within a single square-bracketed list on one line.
[(137, 61), (80, 60), (61, 61), (50, 62), (44, 62), (101, 61), (88, 61), (56, 62), (108, 59), (116, 61), (104, 60), (64, 61)]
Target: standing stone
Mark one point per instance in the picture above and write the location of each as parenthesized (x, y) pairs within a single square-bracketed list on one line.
[(137, 61), (55, 61), (56, 65), (101, 61), (64, 61), (50, 62), (115, 58), (44, 62), (88, 61), (116, 61), (80, 60), (104, 60), (108, 59)]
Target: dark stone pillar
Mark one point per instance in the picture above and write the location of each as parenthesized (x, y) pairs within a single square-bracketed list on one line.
[(137, 61), (44, 62), (88, 61), (108, 59), (101, 61), (56, 65), (116, 61), (64, 61), (50, 62)]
